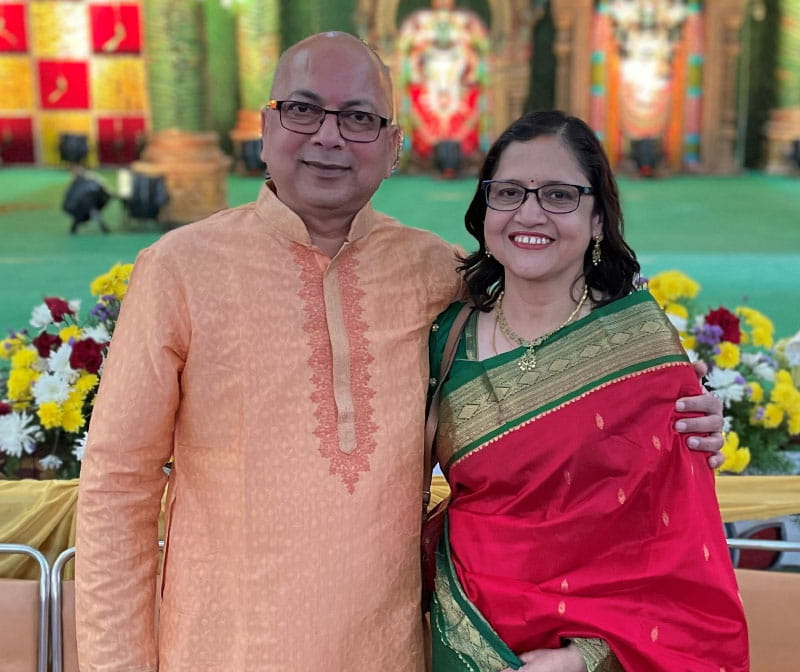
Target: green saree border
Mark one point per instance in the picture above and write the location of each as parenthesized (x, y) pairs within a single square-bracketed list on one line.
[(457, 625)]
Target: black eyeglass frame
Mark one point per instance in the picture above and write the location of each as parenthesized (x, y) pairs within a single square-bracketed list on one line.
[(582, 191), (277, 104)]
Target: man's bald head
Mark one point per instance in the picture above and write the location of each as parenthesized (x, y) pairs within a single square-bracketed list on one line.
[(332, 45)]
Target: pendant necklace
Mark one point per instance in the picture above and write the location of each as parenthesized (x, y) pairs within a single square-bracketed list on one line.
[(528, 360)]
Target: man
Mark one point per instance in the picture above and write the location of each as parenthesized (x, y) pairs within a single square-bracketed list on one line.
[(277, 353)]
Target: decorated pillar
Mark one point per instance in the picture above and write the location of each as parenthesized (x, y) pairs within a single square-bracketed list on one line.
[(189, 158), (258, 48), (718, 127), (783, 128), (572, 47)]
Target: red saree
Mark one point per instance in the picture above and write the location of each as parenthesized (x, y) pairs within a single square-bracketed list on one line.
[(576, 511)]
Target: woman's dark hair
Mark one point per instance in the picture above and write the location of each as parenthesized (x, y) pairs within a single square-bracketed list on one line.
[(614, 276)]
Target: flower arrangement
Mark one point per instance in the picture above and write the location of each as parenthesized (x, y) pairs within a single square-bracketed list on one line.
[(49, 377), (747, 370)]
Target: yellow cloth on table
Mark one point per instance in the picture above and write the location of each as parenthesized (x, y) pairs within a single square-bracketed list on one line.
[(40, 514), (757, 497)]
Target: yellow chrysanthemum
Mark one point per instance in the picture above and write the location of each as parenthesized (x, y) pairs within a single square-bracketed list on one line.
[(72, 420), (86, 383), (773, 416), (24, 358), (736, 457), (9, 346), (728, 356), (19, 384), (676, 309), (670, 286), (74, 400), (73, 331), (793, 424), (786, 396), (762, 337), (114, 282), (761, 329), (738, 461), (783, 377), (756, 392), (688, 342), (50, 415)]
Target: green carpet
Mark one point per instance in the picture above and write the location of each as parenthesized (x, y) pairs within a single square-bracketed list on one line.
[(739, 237)]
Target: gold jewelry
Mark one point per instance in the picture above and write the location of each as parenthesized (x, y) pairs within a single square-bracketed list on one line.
[(528, 361), (597, 253)]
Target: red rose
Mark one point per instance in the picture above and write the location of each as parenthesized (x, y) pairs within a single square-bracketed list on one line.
[(5, 409), (58, 308), (728, 322), (87, 354), (44, 343)]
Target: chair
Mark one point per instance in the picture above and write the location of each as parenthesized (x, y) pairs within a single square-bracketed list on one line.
[(62, 615), (84, 199), (24, 609), (772, 606), (148, 194), (769, 598)]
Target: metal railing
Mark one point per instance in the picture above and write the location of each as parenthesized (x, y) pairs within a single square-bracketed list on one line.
[(44, 598)]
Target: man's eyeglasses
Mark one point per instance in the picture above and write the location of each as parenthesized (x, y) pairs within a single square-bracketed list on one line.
[(307, 118), (556, 198)]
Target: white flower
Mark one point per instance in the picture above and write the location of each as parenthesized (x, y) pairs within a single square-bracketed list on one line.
[(792, 350), (50, 462), (98, 334), (59, 361), (18, 434), (74, 306), (692, 355), (680, 323), (726, 385), (41, 316), (760, 365), (80, 446), (727, 423), (51, 387)]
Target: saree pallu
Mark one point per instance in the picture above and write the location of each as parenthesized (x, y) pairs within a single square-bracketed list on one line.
[(576, 509)]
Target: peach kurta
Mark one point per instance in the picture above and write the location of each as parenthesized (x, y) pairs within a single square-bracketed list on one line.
[(289, 389)]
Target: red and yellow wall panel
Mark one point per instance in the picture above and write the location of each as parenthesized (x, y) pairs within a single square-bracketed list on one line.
[(72, 66)]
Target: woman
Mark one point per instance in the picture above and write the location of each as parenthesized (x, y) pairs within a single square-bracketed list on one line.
[(575, 512)]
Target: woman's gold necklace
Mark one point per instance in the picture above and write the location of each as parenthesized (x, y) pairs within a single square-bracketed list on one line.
[(528, 360)]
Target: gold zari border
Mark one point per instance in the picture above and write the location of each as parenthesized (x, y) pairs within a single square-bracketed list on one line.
[(603, 348)]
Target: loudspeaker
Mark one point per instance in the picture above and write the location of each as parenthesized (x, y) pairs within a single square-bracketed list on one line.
[(72, 147), (447, 155), (646, 153), (251, 155), (148, 195)]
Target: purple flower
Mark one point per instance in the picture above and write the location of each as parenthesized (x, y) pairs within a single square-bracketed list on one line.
[(708, 334), (759, 413)]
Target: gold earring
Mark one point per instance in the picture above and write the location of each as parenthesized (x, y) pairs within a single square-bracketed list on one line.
[(597, 253)]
